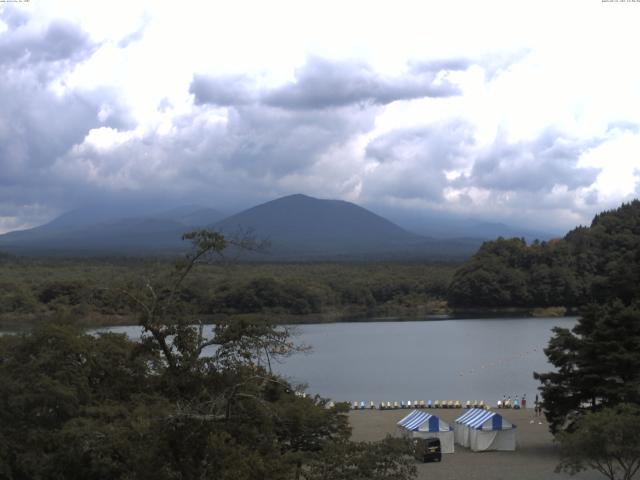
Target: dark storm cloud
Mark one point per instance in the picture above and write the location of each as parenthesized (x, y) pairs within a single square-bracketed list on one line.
[(199, 162), (437, 146), (221, 91), (24, 43), (540, 165), (323, 83), (285, 130), (266, 135), (413, 162), (37, 125), (256, 144), (272, 141)]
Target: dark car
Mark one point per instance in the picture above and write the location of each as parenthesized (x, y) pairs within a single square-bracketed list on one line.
[(428, 449)]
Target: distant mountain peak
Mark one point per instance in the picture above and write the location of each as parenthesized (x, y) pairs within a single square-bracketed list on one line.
[(298, 226), (299, 222), (296, 197)]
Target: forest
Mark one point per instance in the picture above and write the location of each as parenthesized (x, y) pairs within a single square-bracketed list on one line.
[(590, 264), (88, 289)]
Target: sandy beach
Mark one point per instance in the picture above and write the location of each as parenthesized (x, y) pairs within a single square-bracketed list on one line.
[(535, 458)]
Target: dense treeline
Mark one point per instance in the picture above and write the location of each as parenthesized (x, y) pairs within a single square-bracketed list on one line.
[(590, 264), (88, 289), (80, 406)]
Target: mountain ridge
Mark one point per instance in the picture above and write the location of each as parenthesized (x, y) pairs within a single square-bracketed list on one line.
[(298, 226)]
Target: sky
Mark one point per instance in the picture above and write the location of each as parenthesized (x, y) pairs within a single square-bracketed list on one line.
[(512, 111)]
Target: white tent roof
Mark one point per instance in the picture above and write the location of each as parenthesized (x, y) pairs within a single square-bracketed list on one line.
[(481, 419), (423, 422)]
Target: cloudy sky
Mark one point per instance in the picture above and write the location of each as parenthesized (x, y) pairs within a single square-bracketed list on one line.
[(526, 112)]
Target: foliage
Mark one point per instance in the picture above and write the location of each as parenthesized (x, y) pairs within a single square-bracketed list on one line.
[(388, 459), (64, 397), (32, 289), (181, 404), (592, 264), (606, 441), (597, 364)]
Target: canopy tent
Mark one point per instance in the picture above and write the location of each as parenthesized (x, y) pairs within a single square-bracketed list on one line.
[(481, 430), (420, 424)]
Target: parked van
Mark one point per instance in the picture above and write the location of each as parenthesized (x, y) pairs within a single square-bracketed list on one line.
[(428, 449)]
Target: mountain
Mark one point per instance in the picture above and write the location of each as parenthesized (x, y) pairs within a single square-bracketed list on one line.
[(491, 230), (191, 215), (451, 225), (298, 227), (302, 227), (105, 230), (304, 223)]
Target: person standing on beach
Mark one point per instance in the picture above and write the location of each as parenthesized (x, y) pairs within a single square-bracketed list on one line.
[(524, 401)]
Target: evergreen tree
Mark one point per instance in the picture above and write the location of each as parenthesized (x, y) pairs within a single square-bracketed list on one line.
[(594, 264), (597, 364)]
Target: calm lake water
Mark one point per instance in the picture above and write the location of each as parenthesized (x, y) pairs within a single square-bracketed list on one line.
[(480, 359)]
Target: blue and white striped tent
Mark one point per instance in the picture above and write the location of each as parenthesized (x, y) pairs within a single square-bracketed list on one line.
[(421, 424), (480, 430)]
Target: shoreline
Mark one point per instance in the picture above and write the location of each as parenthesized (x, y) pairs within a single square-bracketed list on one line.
[(536, 454), (107, 321)]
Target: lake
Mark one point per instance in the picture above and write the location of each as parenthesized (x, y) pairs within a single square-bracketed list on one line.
[(481, 359)]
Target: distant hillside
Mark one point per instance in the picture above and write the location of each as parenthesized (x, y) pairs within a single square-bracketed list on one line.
[(302, 227), (446, 225), (299, 228), (91, 231), (592, 263), (191, 215), (304, 223)]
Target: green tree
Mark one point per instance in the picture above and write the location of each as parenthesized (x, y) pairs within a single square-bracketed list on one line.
[(67, 401), (597, 364), (606, 441), (595, 263), (388, 459), (180, 404)]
